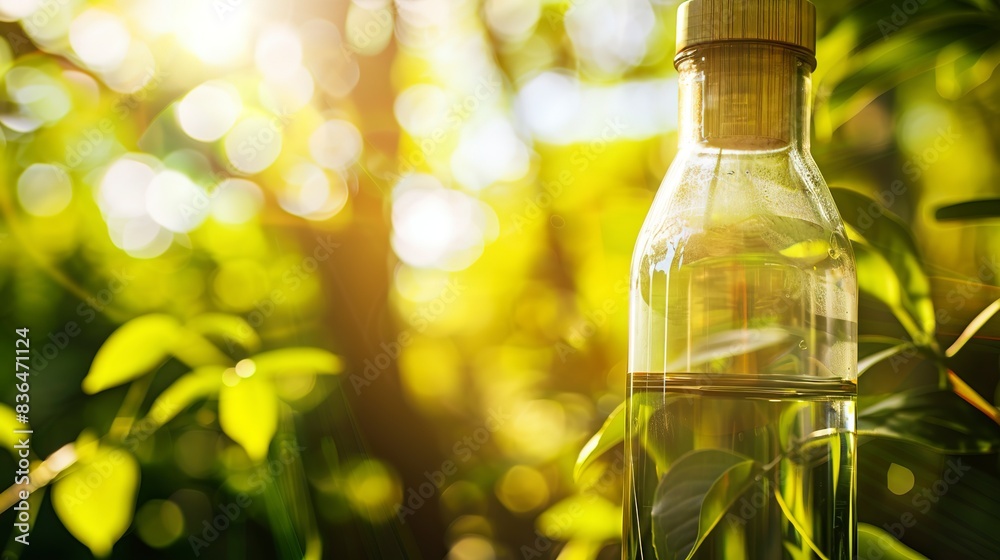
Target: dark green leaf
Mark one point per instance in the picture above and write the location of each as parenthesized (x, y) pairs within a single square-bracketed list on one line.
[(936, 418), (892, 239), (694, 496), (972, 210)]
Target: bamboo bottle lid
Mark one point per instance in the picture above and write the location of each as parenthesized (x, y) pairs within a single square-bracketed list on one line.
[(790, 23)]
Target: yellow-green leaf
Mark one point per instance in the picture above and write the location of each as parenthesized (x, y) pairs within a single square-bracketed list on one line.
[(95, 500), (192, 386), (9, 423), (296, 361), (808, 253), (195, 350), (876, 543), (248, 413), (877, 279), (135, 348), (229, 329), (611, 434)]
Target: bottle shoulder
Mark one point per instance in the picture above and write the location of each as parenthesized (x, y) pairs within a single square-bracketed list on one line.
[(706, 188), (773, 202)]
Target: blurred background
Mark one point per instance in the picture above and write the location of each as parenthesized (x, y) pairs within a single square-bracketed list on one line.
[(348, 279)]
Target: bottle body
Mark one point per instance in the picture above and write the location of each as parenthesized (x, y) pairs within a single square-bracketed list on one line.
[(743, 333)]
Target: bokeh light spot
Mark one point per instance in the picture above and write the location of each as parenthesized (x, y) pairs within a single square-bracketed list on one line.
[(373, 490), (472, 548), (123, 188), (44, 190), (175, 202), (208, 111), (278, 52), (99, 38), (522, 489), (13, 10), (310, 193), (335, 144), (899, 479), (236, 201), (159, 523), (253, 144)]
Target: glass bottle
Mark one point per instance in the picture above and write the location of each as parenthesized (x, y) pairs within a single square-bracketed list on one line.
[(741, 395)]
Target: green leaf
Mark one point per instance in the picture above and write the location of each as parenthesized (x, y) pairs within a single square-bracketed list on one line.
[(730, 344), (892, 239), (9, 423), (972, 210), (866, 363), (612, 433), (134, 349), (96, 499), (856, 78), (969, 395), (869, 344), (876, 543), (964, 66), (932, 417), (694, 496), (195, 350), (877, 279), (796, 523), (973, 327), (584, 517), (248, 413), (200, 383), (227, 329), (297, 361)]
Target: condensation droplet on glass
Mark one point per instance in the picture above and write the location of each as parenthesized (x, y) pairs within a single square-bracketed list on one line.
[(802, 344)]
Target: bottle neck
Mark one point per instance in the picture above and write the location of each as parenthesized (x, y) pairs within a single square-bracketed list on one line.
[(744, 96)]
